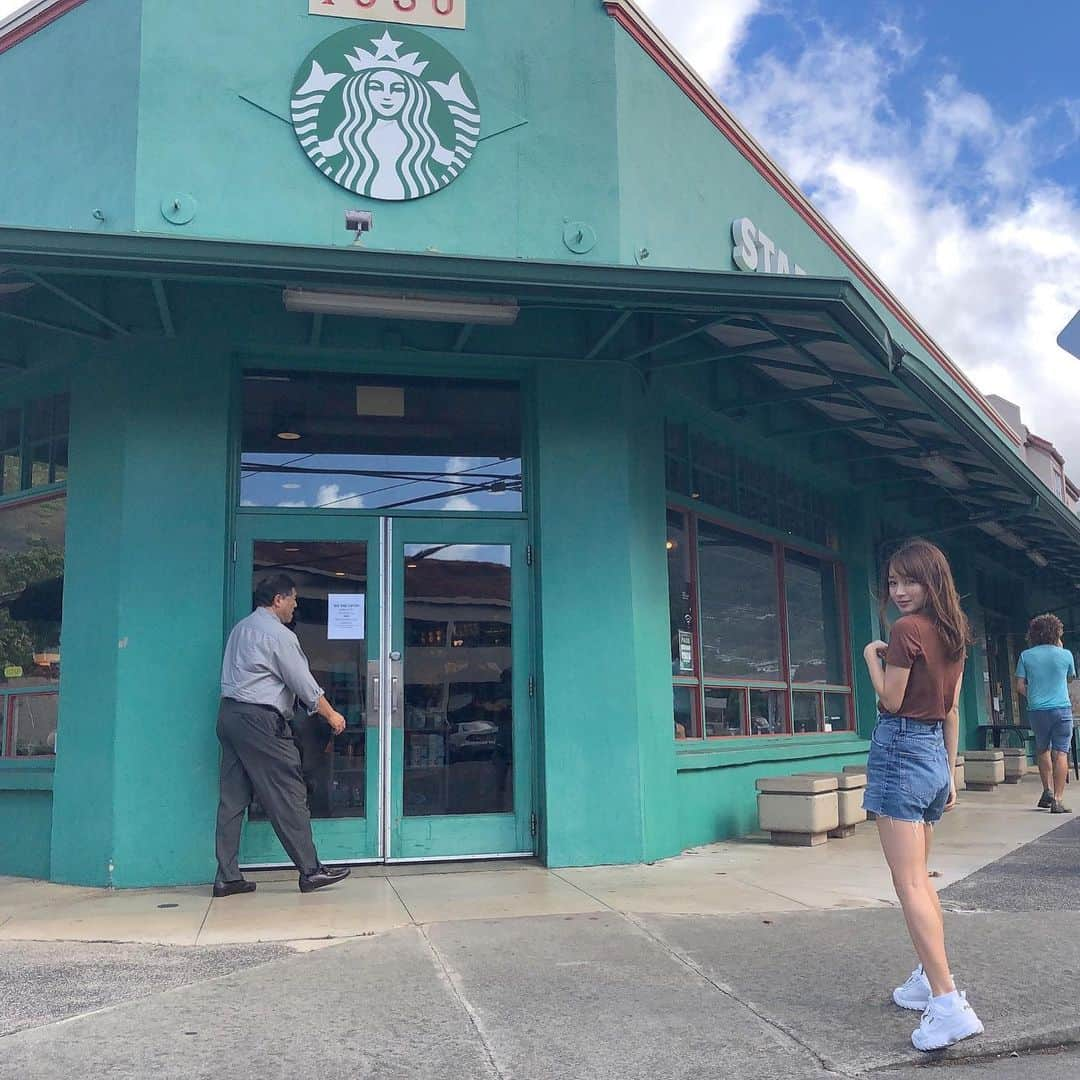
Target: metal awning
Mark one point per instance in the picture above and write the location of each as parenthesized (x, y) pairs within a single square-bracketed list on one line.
[(808, 347)]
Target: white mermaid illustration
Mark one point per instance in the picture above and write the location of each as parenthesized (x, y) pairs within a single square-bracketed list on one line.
[(387, 143)]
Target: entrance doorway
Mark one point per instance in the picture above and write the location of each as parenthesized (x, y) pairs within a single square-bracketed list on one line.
[(418, 630)]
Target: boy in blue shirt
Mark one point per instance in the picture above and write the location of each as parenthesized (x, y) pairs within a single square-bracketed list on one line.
[(1042, 676)]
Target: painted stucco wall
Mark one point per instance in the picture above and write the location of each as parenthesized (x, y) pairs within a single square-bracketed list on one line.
[(69, 97), (135, 787)]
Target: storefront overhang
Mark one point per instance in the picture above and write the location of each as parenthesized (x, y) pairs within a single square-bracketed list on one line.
[(814, 348)]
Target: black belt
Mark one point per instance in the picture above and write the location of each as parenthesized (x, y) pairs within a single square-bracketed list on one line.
[(256, 705)]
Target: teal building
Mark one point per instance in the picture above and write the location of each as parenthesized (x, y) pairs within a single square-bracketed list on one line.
[(581, 431)]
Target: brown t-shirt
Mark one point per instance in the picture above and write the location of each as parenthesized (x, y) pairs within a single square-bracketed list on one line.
[(916, 644)]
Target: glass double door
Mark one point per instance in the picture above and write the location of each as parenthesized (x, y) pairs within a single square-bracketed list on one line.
[(418, 631)]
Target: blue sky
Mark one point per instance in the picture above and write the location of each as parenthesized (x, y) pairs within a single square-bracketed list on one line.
[(942, 139)]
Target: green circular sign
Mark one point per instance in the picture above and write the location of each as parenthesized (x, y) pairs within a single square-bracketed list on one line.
[(388, 115)]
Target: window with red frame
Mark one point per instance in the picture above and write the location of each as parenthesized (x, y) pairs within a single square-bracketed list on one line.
[(758, 642)]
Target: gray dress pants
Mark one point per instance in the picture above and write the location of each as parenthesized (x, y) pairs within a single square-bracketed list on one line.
[(259, 757)]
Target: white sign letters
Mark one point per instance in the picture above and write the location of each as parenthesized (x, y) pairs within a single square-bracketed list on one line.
[(447, 13), (755, 251)]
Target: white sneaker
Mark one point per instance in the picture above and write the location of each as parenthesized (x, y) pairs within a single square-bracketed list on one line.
[(943, 1025), (915, 993)]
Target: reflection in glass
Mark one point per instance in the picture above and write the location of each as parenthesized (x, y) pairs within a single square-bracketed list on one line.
[(459, 706), (31, 613), (335, 767), (723, 712), (686, 713), (680, 604), (813, 620), (806, 712), (837, 712), (766, 712), (340, 442), (739, 608)]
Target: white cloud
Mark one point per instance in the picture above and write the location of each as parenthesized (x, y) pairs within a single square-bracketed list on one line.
[(460, 502), (951, 208), (330, 497), (707, 33)]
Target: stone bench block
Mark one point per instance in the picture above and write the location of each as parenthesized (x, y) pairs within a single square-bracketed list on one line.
[(797, 784), (849, 795), (1016, 764), (958, 773), (984, 769), (800, 819)]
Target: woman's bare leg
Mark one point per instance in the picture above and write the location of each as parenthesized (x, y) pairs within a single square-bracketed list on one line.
[(905, 845)]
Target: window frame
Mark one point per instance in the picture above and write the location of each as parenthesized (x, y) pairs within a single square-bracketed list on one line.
[(788, 687), (8, 696)]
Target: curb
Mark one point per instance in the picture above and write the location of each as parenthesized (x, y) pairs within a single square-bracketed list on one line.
[(969, 1050)]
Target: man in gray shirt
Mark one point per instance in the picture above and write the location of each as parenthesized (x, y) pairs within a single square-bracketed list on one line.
[(263, 675)]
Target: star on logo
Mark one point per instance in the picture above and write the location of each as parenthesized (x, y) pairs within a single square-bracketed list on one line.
[(386, 46)]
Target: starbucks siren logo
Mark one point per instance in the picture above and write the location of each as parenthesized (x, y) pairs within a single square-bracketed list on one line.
[(402, 125)]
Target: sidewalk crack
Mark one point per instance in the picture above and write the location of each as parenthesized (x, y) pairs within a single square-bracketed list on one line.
[(778, 1025), (453, 980)]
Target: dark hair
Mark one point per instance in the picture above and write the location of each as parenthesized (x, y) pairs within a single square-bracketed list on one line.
[(1045, 630), (919, 560), (275, 585)]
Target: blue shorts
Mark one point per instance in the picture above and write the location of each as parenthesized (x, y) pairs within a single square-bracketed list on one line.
[(1053, 728), (907, 770)]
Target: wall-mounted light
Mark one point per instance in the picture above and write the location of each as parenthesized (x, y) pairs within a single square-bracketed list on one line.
[(390, 305), (1038, 558)]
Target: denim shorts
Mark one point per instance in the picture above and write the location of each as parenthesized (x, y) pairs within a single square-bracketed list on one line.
[(907, 770), (1053, 728)]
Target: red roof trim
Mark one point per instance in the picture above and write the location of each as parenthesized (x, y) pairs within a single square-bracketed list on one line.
[(646, 35), (1046, 446), (9, 39)]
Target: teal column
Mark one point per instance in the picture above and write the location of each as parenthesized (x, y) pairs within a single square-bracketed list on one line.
[(137, 753), (860, 563), (974, 703), (607, 752), (82, 819)]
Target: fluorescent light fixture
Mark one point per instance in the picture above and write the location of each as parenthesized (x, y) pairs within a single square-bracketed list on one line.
[(1038, 558), (999, 532), (949, 473), (396, 305)]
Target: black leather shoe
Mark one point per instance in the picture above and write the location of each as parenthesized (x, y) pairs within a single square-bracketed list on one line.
[(232, 888), (323, 876)]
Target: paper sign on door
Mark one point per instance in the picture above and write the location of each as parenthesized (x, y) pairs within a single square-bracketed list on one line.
[(345, 617)]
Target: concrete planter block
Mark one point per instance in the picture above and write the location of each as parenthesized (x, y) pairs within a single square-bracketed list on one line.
[(797, 784), (1016, 765), (798, 819), (984, 769), (958, 773), (849, 794)]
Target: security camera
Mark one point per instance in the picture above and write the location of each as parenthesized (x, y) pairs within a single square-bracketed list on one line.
[(359, 221)]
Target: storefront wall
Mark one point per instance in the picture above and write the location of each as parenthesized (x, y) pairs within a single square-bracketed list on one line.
[(580, 126)]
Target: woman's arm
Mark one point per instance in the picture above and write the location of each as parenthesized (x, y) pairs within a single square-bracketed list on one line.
[(890, 683)]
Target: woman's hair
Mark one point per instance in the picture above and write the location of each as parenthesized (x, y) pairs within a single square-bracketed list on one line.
[(919, 560), (1045, 630)]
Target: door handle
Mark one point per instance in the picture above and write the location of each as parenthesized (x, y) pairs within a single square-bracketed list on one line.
[(373, 694), (397, 710)]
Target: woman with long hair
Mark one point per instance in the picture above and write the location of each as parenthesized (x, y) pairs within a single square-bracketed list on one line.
[(917, 676)]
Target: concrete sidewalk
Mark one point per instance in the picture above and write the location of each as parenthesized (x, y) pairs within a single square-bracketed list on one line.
[(746, 876), (654, 972)]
